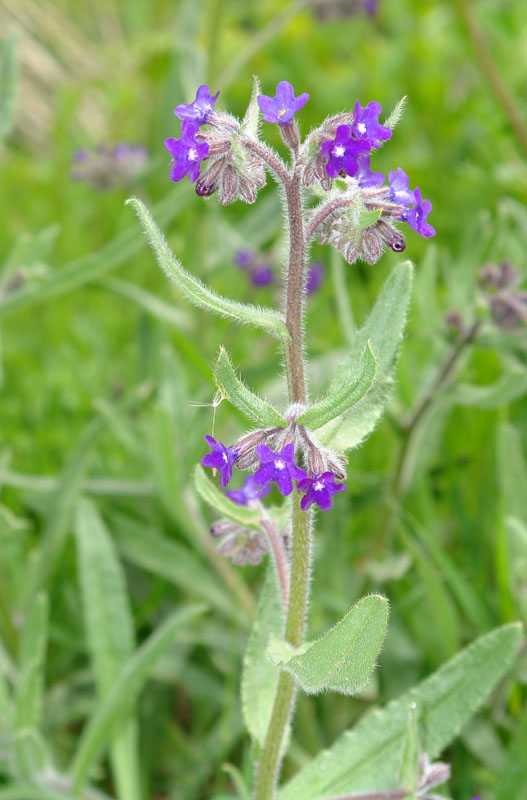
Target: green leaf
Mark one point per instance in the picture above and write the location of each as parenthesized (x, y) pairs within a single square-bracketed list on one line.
[(409, 771), (248, 517), (196, 291), (115, 707), (343, 658), (260, 676), (383, 329), (30, 754), (509, 387), (396, 114), (369, 755), (351, 388), (110, 634), (8, 85), (367, 219), (232, 388), (252, 115)]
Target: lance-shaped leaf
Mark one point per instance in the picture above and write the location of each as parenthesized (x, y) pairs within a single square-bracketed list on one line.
[(196, 291), (350, 389), (343, 658), (248, 517), (260, 676), (231, 387), (369, 756), (29, 750), (252, 115), (383, 329)]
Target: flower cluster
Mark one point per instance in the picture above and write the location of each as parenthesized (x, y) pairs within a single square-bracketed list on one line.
[(109, 167), (275, 467), (189, 150)]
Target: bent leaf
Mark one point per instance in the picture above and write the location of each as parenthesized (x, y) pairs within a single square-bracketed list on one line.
[(231, 387), (369, 756), (260, 676), (248, 517), (383, 329), (116, 705), (196, 291), (351, 388), (343, 658)]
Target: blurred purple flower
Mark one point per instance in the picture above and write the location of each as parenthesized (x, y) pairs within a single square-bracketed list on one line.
[(198, 111), (261, 275), (249, 491), (108, 167), (281, 108), (315, 277), (187, 153), (244, 258)]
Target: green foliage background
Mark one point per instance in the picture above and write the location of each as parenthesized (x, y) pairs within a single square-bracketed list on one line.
[(106, 379)]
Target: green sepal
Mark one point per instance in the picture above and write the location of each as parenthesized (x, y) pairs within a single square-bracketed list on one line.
[(367, 219), (349, 390), (344, 657), (247, 517), (234, 390), (196, 291), (252, 115)]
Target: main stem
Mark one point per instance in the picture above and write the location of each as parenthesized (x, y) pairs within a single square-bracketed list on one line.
[(269, 764)]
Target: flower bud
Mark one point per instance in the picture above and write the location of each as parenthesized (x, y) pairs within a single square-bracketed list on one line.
[(290, 135)]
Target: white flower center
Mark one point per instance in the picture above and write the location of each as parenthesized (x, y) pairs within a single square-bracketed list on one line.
[(225, 458), (319, 485), (339, 151), (192, 154), (279, 464), (361, 127)]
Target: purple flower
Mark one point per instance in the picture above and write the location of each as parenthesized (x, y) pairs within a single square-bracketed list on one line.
[(370, 7), (281, 108), (416, 216), (249, 491), (278, 467), (365, 176), (315, 277), (221, 458), (400, 192), (319, 489), (198, 111), (366, 123), (262, 275), (244, 258), (343, 152), (187, 153)]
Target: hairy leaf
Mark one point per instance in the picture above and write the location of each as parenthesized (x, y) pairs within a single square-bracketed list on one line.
[(231, 387), (383, 329), (110, 633), (368, 756), (260, 676), (396, 114), (350, 390), (252, 115), (343, 658), (196, 291)]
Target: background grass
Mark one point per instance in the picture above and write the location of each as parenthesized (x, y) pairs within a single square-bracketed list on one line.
[(102, 379)]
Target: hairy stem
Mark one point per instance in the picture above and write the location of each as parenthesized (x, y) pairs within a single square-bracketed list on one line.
[(276, 544), (269, 766), (324, 211), (273, 161)]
